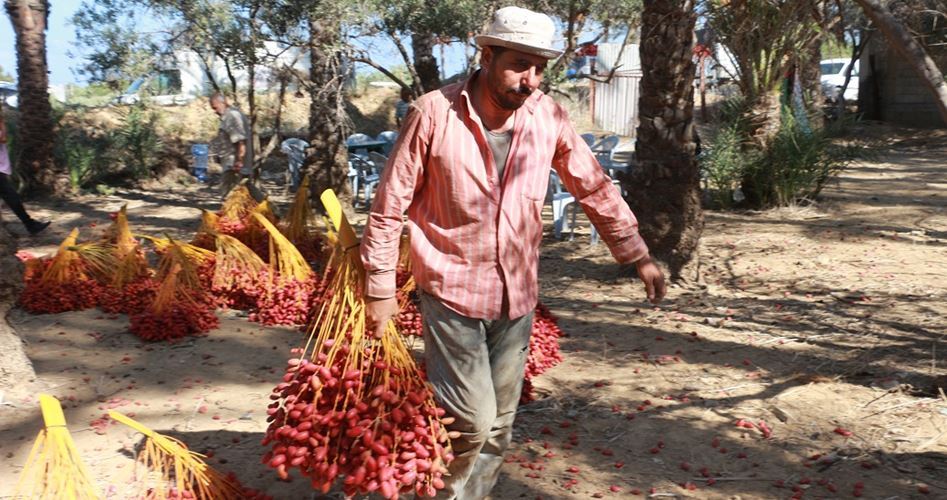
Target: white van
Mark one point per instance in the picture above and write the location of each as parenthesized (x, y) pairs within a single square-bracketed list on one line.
[(833, 76), (8, 94), (162, 88)]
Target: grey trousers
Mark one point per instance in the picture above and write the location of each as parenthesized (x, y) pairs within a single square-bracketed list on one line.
[(231, 178), (476, 369)]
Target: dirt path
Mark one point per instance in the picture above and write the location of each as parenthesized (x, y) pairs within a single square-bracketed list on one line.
[(812, 320)]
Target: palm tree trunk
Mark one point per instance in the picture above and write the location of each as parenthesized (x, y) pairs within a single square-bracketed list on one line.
[(810, 68), (34, 123), (902, 41), (664, 187), (328, 165)]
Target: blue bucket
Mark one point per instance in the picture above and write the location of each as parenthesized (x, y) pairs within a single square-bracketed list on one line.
[(200, 152)]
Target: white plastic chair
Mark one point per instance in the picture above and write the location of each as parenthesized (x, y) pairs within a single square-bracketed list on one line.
[(561, 201), (379, 160), (605, 154), (365, 178)]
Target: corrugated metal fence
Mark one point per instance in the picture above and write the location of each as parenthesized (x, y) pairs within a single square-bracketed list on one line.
[(615, 104)]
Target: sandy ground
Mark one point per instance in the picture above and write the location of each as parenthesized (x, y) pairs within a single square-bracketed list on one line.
[(810, 320)]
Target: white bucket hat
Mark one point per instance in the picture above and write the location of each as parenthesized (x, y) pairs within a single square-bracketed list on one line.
[(521, 29)]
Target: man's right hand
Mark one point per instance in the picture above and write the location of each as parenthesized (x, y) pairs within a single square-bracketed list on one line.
[(377, 314)]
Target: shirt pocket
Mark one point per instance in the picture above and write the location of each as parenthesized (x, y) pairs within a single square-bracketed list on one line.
[(532, 221), (536, 189)]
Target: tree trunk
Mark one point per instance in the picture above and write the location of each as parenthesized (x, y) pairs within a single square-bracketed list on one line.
[(251, 59), (34, 121), (328, 165), (902, 41), (15, 368), (277, 136), (422, 44), (810, 68), (235, 100), (664, 187), (251, 109)]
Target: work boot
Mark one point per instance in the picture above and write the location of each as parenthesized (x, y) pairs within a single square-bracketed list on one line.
[(35, 227)]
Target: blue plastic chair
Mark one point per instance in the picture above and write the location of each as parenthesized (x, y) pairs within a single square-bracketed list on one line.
[(295, 149), (366, 177), (389, 136), (561, 201), (589, 139), (607, 144), (357, 139)]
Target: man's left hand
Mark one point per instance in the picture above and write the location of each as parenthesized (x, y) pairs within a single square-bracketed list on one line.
[(653, 279)]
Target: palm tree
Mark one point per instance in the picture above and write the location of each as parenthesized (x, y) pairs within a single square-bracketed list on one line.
[(34, 124), (328, 166), (664, 187)]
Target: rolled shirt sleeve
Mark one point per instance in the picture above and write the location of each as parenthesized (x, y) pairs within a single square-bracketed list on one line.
[(401, 179), (582, 175)]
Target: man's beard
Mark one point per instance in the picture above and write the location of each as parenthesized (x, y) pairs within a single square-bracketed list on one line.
[(507, 97)]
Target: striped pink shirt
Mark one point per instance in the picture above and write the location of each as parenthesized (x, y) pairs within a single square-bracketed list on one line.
[(475, 238)]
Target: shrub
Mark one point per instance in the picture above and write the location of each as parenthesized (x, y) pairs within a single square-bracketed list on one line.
[(91, 153), (723, 165), (137, 141), (790, 167), (795, 164), (82, 152), (728, 155), (84, 156), (93, 94)]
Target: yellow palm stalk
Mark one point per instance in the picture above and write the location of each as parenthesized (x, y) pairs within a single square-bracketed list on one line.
[(335, 253), (404, 253), (299, 217), (239, 203), (54, 470), (265, 208), (172, 464), (255, 235), (284, 256), (185, 255), (171, 290), (208, 222), (66, 264), (206, 233), (119, 233), (233, 260), (129, 261), (98, 259), (347, 239)]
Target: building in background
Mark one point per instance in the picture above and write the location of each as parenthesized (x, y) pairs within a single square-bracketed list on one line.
[(185, 75), (889, 89)]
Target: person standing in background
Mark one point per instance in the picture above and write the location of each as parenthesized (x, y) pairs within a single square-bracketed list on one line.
[(401, 107), (237, 160), (7, 191)]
